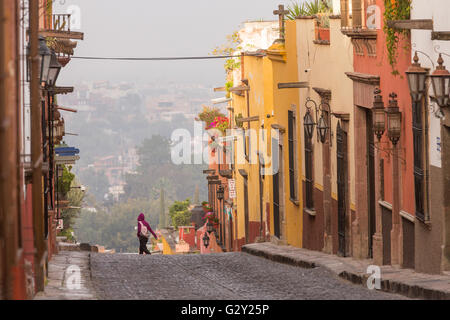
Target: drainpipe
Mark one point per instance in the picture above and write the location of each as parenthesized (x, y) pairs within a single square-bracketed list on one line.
[(3, 267), (36, 148)]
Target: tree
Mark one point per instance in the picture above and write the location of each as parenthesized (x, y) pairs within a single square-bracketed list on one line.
[(162, 210), (180, 213), (116, 228), (196, 196)]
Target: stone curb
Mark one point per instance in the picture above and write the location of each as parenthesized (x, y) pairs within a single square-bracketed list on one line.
[(347, 272)]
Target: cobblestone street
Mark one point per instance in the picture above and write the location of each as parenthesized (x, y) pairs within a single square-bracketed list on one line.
[(228, 276)]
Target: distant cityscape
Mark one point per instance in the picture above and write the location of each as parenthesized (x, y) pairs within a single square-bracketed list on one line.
[(114, 106)]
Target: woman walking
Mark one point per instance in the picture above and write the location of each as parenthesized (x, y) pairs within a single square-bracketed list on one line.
[(143, 233)]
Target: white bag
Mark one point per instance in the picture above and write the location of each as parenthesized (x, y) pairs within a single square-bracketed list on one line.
[(144, 230)]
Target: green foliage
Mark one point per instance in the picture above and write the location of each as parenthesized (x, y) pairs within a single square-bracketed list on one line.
[(116, 229), (180, 214), (232, 45), (156, 171), (208, 115), (395, 10), (162, 210), (66, 180), (310, 8), (75, 196)]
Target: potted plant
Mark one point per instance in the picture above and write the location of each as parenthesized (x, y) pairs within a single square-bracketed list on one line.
[(322, 27), (206, 207), (208, 115), (210, 217)]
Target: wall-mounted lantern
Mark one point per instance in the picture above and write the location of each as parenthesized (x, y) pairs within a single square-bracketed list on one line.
[(309, 123), (416, 80), (440, 80), (220, 192), (394, 119), (205, 240), (53, 72), (378, 115)]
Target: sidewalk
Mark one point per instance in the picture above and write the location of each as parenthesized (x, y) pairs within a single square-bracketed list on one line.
[(394, 280), (57, 287)]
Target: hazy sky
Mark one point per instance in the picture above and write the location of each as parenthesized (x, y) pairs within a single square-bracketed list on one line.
[(150, 28)]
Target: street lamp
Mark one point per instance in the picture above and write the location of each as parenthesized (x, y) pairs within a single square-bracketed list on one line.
[(416, 80), (205, 240), (45, 59), (53, 72), (441, 83), (322, 129), (394, 119), (378, 115), (309, 124), (220, 192)]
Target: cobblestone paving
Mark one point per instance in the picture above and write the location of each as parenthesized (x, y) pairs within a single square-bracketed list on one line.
[(230, 276)]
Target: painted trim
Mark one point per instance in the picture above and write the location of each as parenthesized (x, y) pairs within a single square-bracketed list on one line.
[(403, 213)]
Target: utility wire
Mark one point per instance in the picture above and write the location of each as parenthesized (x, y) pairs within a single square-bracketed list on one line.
[(156, 59)]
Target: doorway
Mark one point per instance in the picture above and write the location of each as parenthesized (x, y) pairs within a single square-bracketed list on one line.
[(342, 177)]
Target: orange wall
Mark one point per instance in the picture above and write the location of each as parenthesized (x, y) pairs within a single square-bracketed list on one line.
[(389, 83)]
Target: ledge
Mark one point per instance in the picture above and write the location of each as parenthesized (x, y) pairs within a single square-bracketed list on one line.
[(310, 212), (279, 127), (322, 42), (364, 78), (417, 24), (293, 85), (294, 201), (440, 35), (360, 33)]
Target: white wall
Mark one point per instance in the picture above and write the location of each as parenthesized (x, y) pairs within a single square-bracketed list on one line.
[(439, 11)]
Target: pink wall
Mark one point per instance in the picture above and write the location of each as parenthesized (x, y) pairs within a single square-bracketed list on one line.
[(380, 66)]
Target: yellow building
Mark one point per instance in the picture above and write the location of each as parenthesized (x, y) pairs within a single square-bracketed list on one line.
[(267, 147)]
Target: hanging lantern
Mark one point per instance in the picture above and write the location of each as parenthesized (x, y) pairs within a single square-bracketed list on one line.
[(54, 70), (416, 80), (378, 115), (220, 192), (441, 83), (394, 119), (309, 124), (205, 240)]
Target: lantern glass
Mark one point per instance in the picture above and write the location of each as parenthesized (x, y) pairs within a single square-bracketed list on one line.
[(205, 240), (416, 83), (220, 193), (322, 129), (441, 85), (394, 125), (379, 120), (54, 70), (416, 80), (309, 125), (45, 57)]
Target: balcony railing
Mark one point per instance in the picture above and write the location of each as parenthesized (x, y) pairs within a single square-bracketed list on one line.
[(61, 22)]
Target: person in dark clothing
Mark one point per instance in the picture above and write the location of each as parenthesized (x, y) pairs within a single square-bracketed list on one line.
[(143, 233)]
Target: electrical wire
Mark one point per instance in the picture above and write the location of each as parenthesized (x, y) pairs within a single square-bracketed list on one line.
[(157, 58)]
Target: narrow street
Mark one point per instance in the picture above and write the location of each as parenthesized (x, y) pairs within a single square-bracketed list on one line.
[(228, 276)]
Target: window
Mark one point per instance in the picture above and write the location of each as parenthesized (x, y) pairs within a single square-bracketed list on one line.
[(309, 182), (420, 180), (292, 152)]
